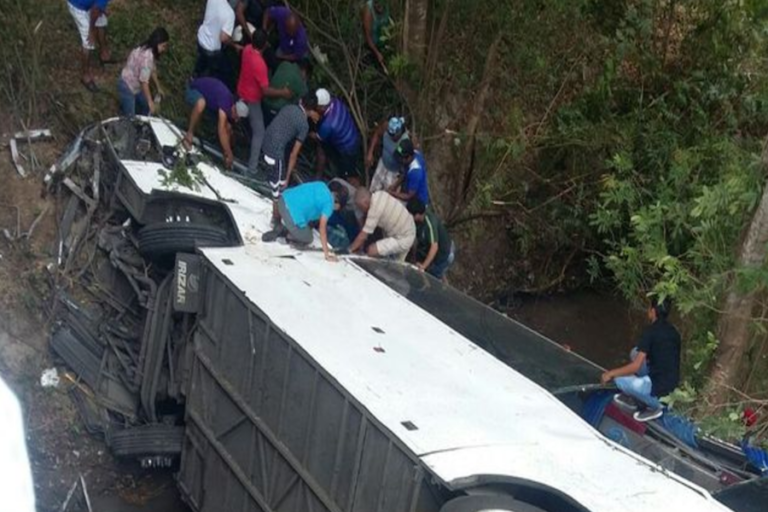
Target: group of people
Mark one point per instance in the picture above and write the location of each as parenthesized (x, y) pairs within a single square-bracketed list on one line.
[(240, 74), (392, 217)]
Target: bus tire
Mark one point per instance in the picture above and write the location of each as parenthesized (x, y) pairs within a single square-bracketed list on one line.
[(495, 502), (163, 240), (147, 440)]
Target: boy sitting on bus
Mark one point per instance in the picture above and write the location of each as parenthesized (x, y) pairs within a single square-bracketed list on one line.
[(654, 371)]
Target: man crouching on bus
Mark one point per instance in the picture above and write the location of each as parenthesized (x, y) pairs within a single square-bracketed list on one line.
[(298, 208), (655, 368)]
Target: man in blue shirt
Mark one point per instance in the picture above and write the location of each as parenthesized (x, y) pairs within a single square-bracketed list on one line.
[(413, 183), (91, 20), (338, 137), (300, 206)]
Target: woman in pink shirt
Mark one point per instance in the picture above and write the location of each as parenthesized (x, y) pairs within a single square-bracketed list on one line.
[(133, 85)]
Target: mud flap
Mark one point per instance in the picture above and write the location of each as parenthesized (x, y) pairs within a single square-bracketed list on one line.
[(186, 283)]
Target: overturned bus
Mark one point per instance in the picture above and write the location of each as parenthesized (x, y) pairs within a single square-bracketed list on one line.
[(276, 381)]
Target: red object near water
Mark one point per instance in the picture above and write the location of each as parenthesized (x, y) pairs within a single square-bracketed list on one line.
[(749, 417)]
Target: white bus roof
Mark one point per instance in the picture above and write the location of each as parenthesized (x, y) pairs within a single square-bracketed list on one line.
[(474, 415)]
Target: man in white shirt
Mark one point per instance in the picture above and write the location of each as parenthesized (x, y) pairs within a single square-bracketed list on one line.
[(385, 212), (216, 30)]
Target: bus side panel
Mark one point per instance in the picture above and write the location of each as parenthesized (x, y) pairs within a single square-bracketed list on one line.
[(267, 429)]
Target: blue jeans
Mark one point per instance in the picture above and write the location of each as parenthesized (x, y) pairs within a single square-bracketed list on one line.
[(192, 95), (131, 104), (638, 386)]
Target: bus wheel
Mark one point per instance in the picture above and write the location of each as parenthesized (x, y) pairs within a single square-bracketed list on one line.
[(488, 503)]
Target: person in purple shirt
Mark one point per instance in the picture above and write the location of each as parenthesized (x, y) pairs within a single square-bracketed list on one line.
[(293, 37), (338, 138), (91, 20), (212, 95)]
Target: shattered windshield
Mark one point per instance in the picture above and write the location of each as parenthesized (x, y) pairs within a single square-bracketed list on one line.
[(533, 355)]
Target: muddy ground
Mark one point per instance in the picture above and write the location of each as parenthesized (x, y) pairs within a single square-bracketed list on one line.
[(59, 448)]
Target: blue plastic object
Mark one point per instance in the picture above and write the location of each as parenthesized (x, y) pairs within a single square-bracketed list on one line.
[(756, 456), (594, 407), (680, 427)]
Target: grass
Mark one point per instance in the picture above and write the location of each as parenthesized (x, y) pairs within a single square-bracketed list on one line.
[(39, 78)]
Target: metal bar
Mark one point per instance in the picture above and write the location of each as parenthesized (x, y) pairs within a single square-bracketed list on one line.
[(263, 462), (222, 452), (358, 461), (268, 435), (342, 438), (251, 359), (291, 484), (34, 135), (311, 419), (417, 490), (384, 476), (17, 159), (69, 496), (75, 188), (232, 427), (85, 493), (95, 183), (284, 394), (264, 350)]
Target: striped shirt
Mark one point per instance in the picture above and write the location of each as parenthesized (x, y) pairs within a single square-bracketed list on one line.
[(390, 215)]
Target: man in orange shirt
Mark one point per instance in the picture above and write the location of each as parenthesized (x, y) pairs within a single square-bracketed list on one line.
[(252, 86)]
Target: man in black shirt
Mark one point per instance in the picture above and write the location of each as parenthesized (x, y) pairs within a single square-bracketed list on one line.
[(655, 368)]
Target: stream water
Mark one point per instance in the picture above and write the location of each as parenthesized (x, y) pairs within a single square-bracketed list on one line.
[(600, 327)]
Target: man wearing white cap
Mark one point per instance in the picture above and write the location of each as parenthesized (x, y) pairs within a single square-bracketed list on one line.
[(389, 134), (338, 136), (210, 94)]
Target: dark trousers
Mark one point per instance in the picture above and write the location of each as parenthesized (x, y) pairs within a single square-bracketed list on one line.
[(209, 63)]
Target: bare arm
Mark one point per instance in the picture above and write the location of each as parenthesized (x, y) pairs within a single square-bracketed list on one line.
[(368, 29), (424, 265), (289, 57), (148, 95), (267, 21), (628, 369), (271, 92), (240, 16), (403, 196), (227, 40), (156, 81), (292, 161), (375, 140), (224, 138), (95, 12), (194, 118), (358, 243), (323, 229)]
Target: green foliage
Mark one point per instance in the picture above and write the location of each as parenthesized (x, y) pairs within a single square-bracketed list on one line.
[(182, 175), (674, 123), (728, 424)]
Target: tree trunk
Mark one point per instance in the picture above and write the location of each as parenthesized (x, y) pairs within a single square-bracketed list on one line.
[(415, 31), (733, 329), (463, 178)]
